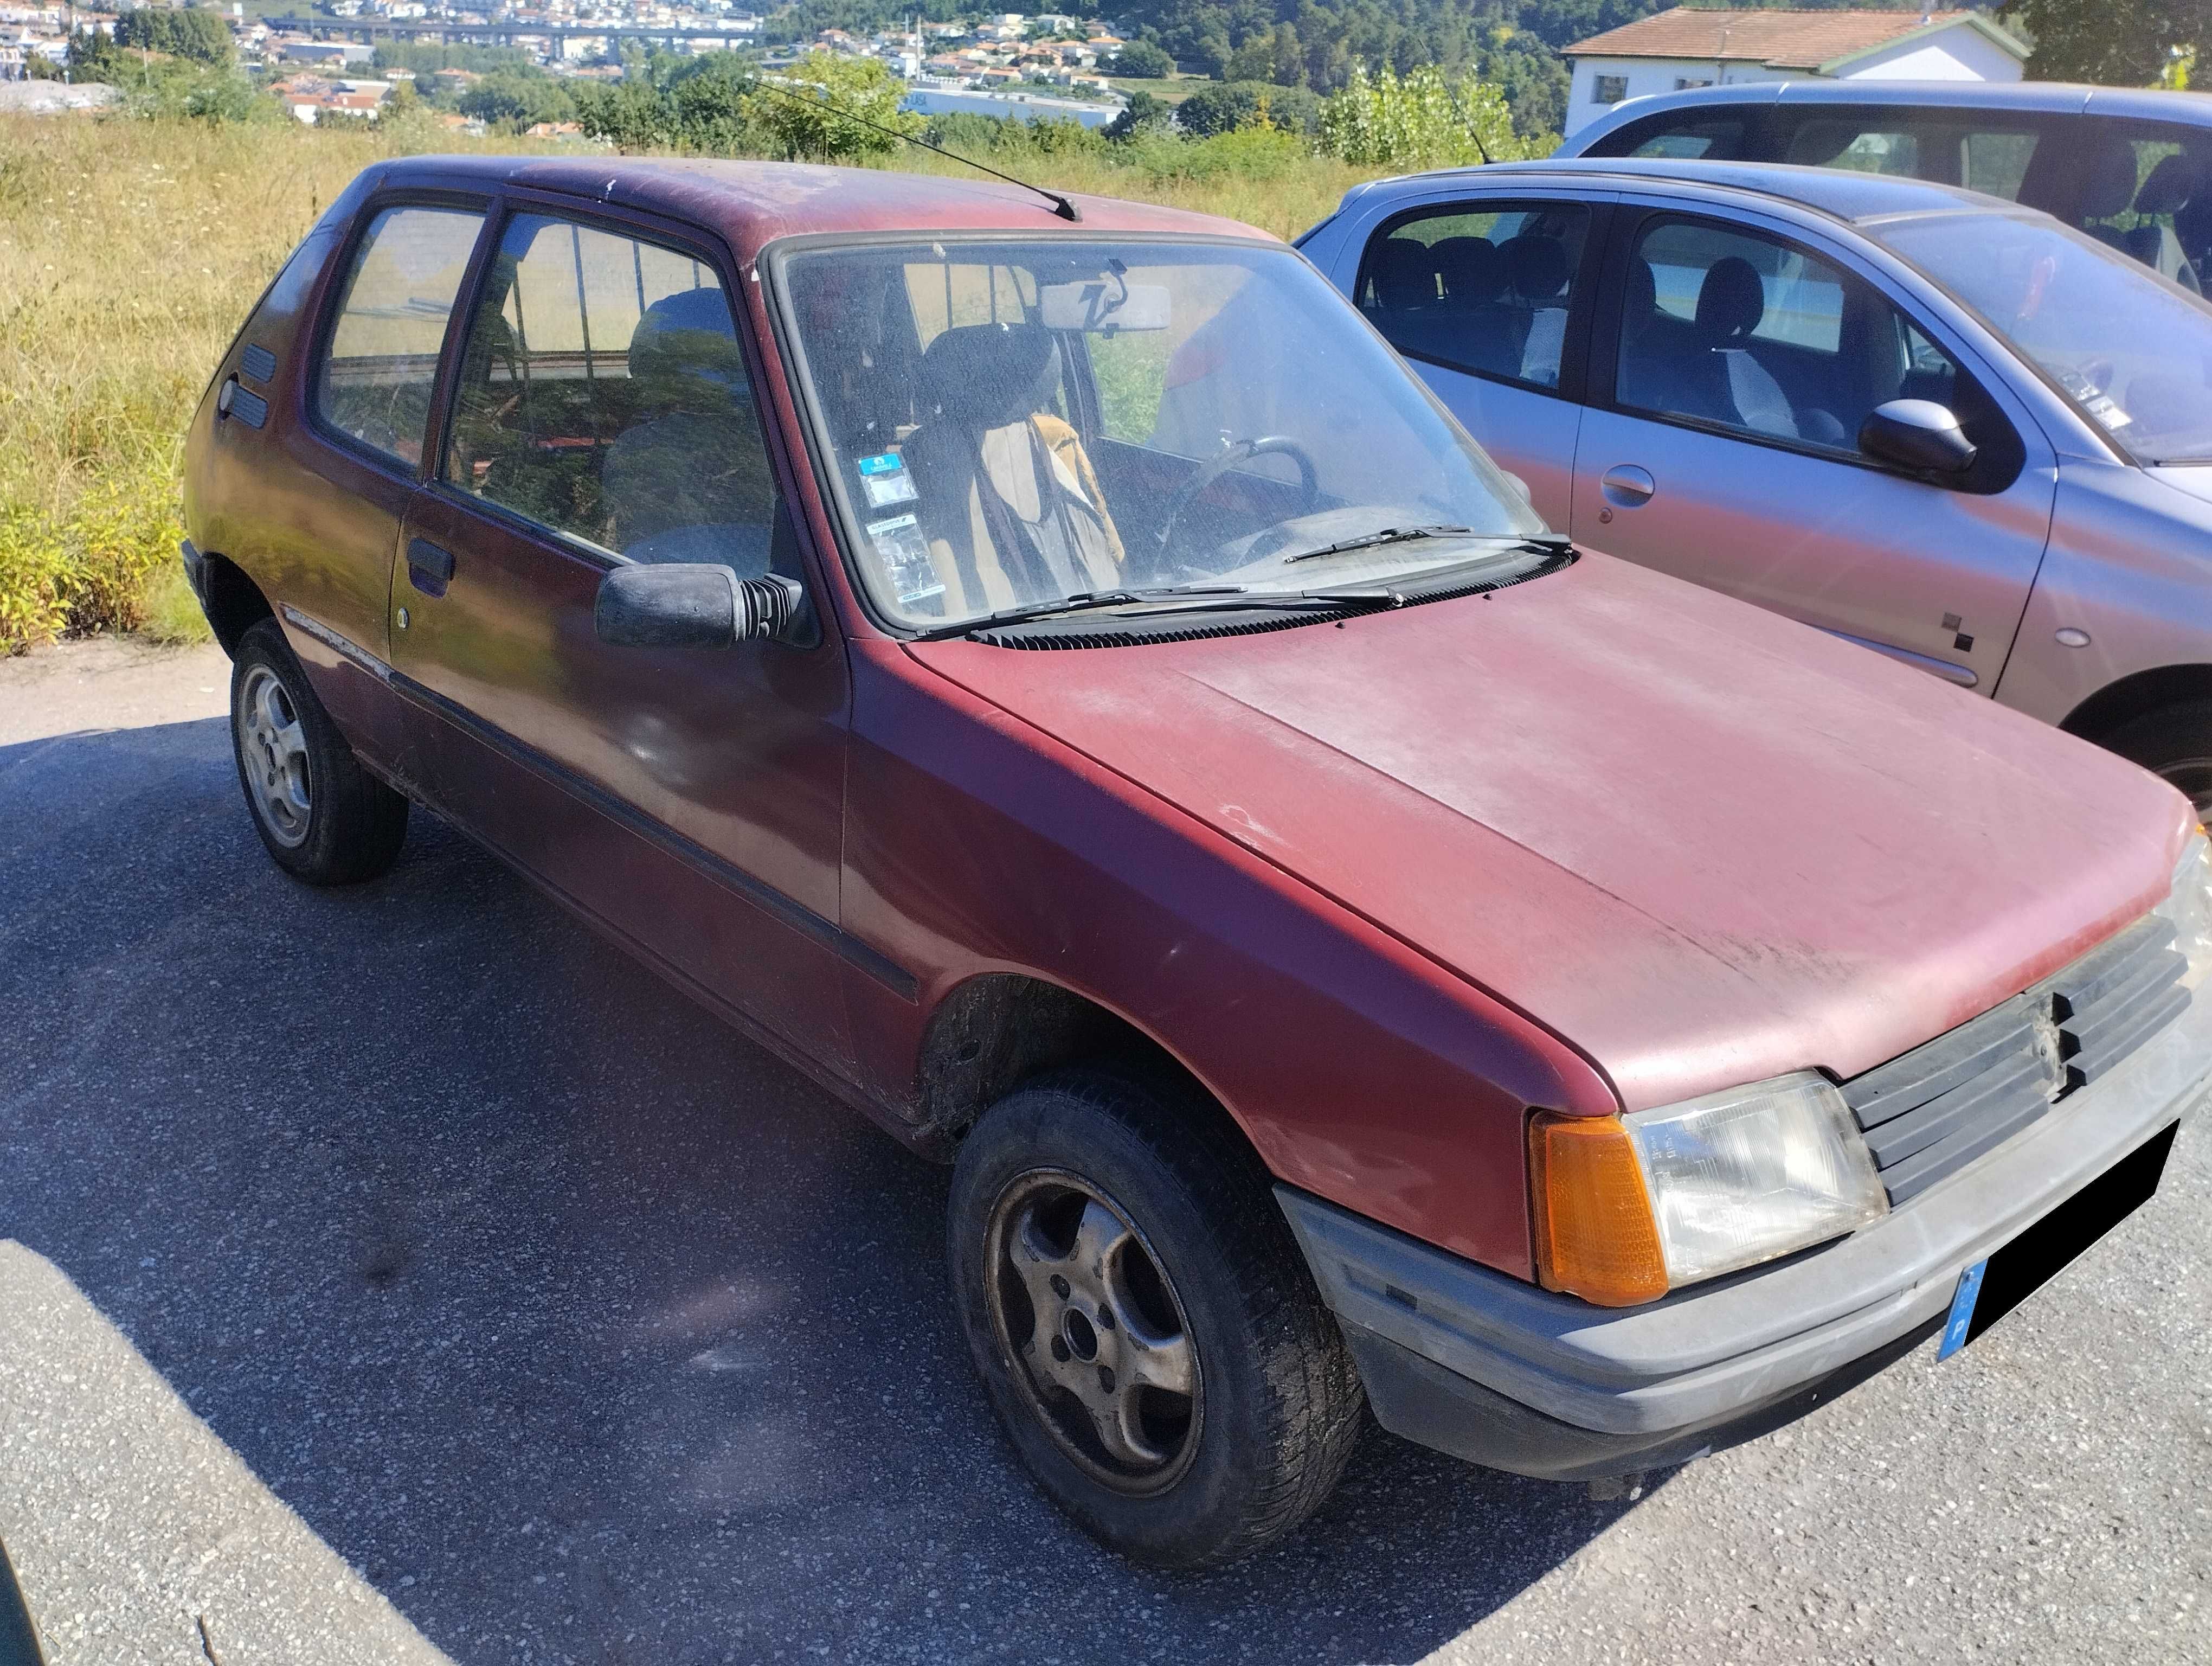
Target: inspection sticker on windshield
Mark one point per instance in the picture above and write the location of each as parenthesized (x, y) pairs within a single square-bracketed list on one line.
[(905, 555), (884, 479)]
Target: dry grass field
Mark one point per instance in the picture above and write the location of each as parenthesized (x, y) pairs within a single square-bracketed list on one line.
[(129, 250)]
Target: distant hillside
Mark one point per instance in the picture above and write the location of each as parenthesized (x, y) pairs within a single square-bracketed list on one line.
[(1315, 43)]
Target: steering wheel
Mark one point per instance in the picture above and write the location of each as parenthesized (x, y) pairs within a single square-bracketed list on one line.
[(1213, 468)]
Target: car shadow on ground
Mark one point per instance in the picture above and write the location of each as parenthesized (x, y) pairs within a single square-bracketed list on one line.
[(584, 1328)]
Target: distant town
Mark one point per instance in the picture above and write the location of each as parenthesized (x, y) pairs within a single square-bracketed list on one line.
[(325, 64)]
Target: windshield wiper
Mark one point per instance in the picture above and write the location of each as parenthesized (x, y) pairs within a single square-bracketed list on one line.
[(1076, 603), (1372, 540), (1549, 542)]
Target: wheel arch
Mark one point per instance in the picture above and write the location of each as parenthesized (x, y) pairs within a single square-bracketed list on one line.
[(2138, 693), (995, 1030), (231, 600)]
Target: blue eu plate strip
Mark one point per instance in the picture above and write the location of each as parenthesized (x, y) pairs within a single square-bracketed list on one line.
[(1962, 1309)]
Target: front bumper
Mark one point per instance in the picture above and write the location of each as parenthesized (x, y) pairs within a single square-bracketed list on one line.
[(1502, 1373)]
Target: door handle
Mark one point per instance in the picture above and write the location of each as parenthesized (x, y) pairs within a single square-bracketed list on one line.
[(429, 568), (1627, 487)]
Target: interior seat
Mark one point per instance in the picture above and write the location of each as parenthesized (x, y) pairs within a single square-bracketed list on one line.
[(691, 481), (1009, 503), (1538, 270), (2165, 192), (2108, 185)]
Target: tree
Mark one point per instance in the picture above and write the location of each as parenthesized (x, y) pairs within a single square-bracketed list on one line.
[(200, 36), (2112, 43), (1140, 60), (514, 100), (1419, 121), (1142, 114), (790, 114)]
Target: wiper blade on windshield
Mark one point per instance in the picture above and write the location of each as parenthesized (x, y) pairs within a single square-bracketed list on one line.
[(1080, 601), (1372, 540), (1548, 541)]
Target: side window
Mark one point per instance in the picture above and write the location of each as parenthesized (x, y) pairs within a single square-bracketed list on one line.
[(1922, 147), (377, 374), (603, 395), (1727, 326), (1685, 137), (2148, 193), (1479, 288), (1608, 89)]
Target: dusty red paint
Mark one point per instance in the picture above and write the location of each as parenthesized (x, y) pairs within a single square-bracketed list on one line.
[(1601, 839)]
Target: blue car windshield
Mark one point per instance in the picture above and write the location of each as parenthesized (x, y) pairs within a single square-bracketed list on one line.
[(2132, 349)]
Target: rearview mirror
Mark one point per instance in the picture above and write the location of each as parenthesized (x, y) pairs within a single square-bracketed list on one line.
[(1103, 305), (1918, 435), (692, 605)]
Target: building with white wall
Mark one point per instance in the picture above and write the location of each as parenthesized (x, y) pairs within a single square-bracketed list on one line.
[(1685, 47)]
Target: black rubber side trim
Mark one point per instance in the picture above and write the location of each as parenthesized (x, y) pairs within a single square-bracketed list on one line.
[(695, 856)]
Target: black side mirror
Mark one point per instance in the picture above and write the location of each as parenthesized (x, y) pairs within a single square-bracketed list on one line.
[(694, 605), (1918, 434)]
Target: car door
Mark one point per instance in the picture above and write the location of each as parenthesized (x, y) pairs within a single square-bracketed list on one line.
[(1733, 368), (1487, 294), (334, 497), (689, 799)]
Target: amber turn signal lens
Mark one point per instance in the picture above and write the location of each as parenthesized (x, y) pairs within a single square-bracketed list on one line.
[(1596, 1234)]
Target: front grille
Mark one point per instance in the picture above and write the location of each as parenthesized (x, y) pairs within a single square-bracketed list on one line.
[(1928, 1113)]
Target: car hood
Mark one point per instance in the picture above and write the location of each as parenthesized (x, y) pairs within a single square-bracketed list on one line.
[(1703, 844)]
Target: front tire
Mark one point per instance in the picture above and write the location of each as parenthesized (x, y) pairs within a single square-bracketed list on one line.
[(322, 817), (1144, 1322)]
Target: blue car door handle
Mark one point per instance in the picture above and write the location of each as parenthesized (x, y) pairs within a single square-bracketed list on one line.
[(1626, 487)]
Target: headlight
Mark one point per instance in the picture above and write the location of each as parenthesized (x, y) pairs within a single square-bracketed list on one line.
[(2188, 906), (1628, 1207)]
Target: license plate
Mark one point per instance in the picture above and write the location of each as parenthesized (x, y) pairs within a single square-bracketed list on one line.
[(1998, 1283)]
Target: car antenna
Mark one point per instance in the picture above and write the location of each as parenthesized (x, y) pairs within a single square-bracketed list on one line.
[(1062, 205)]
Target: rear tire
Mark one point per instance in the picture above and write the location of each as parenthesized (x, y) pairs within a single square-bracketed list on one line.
[(1200, 1283), (322, 818), (2174, 742)]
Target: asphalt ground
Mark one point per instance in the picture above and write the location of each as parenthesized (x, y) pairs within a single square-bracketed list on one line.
[(584, 1330)]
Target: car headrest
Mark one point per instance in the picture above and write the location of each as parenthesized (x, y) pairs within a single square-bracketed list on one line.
[(1472, 269), (2169, 186), (1731, 300), (688, 333), (986, 376), (1536, 266), (1405, 275), (2109, 181)]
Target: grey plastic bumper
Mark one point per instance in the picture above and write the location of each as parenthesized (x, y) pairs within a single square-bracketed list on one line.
[(1612, 1389)]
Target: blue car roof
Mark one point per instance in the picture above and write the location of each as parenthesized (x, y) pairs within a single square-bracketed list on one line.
[(1838, 191)]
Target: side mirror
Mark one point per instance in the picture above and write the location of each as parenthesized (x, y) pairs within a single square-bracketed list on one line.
[(693, 604), (1918, 434)]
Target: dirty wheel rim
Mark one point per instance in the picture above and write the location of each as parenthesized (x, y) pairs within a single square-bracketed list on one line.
[(1092, 1331), (272, 747)]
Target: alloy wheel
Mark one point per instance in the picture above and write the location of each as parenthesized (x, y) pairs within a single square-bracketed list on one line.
[(1093, 1332), (272, 746)]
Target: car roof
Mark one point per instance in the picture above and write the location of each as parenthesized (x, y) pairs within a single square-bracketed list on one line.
[(2045, 97), (1840, 192), (752, 204)]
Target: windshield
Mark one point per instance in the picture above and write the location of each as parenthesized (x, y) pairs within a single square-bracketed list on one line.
[(2130, 348), (1013, 424)]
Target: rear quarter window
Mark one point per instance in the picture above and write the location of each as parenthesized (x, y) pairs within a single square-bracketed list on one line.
[(1681, 137)]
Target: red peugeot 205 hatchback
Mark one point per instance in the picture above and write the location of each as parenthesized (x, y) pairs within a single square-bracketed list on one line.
[(1050, 671)]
